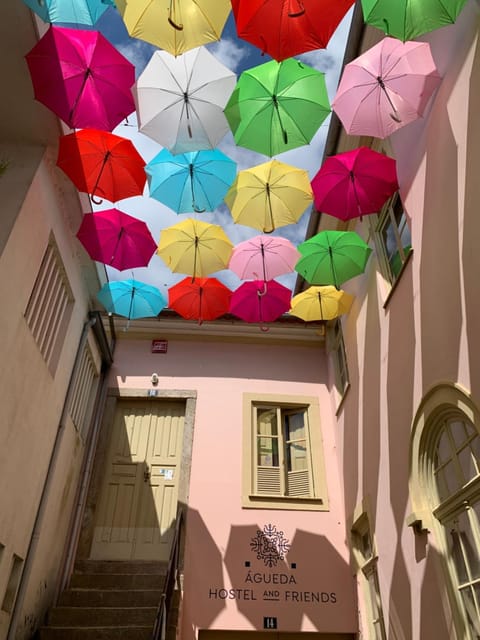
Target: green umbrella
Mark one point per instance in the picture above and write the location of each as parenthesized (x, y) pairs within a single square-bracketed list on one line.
[(408, 19), (277, 106), (332, 257)]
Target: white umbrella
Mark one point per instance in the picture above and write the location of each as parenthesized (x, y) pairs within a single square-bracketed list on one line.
[(180, 100)]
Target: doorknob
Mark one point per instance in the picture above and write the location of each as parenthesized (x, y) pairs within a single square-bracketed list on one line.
[(146, 473)]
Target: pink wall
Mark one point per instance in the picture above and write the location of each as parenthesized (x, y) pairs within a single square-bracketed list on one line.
[(318, 594)]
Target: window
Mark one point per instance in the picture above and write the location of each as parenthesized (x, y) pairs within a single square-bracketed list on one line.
[(283, 463), (446, 447), (366, 559), (336, 348), (392, 238), (49, 307), (85, 388)]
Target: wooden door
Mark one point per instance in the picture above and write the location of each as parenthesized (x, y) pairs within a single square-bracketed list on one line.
[(135, 518)]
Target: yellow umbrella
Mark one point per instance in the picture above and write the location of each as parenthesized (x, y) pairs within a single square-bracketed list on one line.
[(195, 248), (269, 196), (175, 25), (320, 303)]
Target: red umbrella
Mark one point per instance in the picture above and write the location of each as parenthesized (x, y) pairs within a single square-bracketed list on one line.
[(286, 28), (260, 301), (199, 298), (354, 183), (117, 239), (82, 78), (102, 164)]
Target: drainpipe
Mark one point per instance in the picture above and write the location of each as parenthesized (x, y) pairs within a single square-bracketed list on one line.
[(87, 465), (35, 535)]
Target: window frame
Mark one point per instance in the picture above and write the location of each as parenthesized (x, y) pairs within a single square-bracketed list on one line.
[(318, 501), (338, 353)]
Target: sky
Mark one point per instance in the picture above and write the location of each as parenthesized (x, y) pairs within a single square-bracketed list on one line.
[(237, 55)]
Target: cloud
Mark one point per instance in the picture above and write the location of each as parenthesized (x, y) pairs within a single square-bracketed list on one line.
[(230, 53)]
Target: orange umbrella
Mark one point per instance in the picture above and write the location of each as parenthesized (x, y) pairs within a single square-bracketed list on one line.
[(199, 298)]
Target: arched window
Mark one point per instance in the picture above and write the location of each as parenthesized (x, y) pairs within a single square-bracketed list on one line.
[(446, 454)]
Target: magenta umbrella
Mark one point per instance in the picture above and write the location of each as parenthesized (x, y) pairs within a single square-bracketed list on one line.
[(263, 258), (354, 183), (260, 301), (117, 239), (82, 78), (386, 88)]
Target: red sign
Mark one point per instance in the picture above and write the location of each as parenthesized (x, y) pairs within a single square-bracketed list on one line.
[(159, 346)]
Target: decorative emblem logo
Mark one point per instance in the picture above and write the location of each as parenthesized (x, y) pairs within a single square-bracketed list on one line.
[(270, 545)]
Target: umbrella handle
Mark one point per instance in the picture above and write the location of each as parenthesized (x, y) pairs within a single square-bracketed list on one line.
[(98, 201), (178, 27)]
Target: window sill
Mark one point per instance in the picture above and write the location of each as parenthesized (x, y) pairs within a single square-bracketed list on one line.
[(397, 279), (287, 503)]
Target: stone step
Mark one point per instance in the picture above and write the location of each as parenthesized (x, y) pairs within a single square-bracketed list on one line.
[(120, 566), (117, 581), (101, 616), (95, 633), (110, 598)]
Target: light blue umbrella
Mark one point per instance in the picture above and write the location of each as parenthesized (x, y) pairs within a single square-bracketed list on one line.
[(131, 299), (190, 182), (70, 11)]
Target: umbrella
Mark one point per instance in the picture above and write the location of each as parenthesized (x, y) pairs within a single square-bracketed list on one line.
[(199, 299), (117, 239), (269, 195), (180, 100), (175, 25), (354, 183), (194, 247), (195, 181), (70, 11), (277, 106), (285, 28), (131, 299), (82, 78), (386, 88), (332, 257), (263, 258), (102, 164), (259, 301), (320, 303), (408, 19)]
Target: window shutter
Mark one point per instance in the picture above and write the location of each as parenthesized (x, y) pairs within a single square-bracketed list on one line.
[(268, 481)]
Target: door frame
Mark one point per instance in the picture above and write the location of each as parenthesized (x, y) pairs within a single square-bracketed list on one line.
[(114, 397)]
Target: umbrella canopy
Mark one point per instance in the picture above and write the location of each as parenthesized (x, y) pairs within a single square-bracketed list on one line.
[(102, 164), (194, 247), (277, 106), (259, 301), (354, 183), (199, 299), (320, 303), (408, 19), (117, 239), (263, 258), (82, 78), (180, 101), (69, 11), (386, 88), (196, 181), (131, 299), (270, 195), (175, 25), (332, 257), (286, 28)]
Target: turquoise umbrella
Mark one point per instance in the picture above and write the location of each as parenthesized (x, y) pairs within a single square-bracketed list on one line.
[(84, 12), (190, 182), (131, 299)]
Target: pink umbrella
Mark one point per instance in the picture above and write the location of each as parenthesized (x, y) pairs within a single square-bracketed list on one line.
[(82, 78), (263, 258), (260, 301), (386, 88), (117, 239), (354, 183)]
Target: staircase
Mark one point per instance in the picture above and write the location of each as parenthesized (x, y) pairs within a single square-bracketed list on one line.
[(108, 600)]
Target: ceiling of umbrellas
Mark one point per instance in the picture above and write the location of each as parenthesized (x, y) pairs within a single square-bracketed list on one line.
[(186, 100)]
